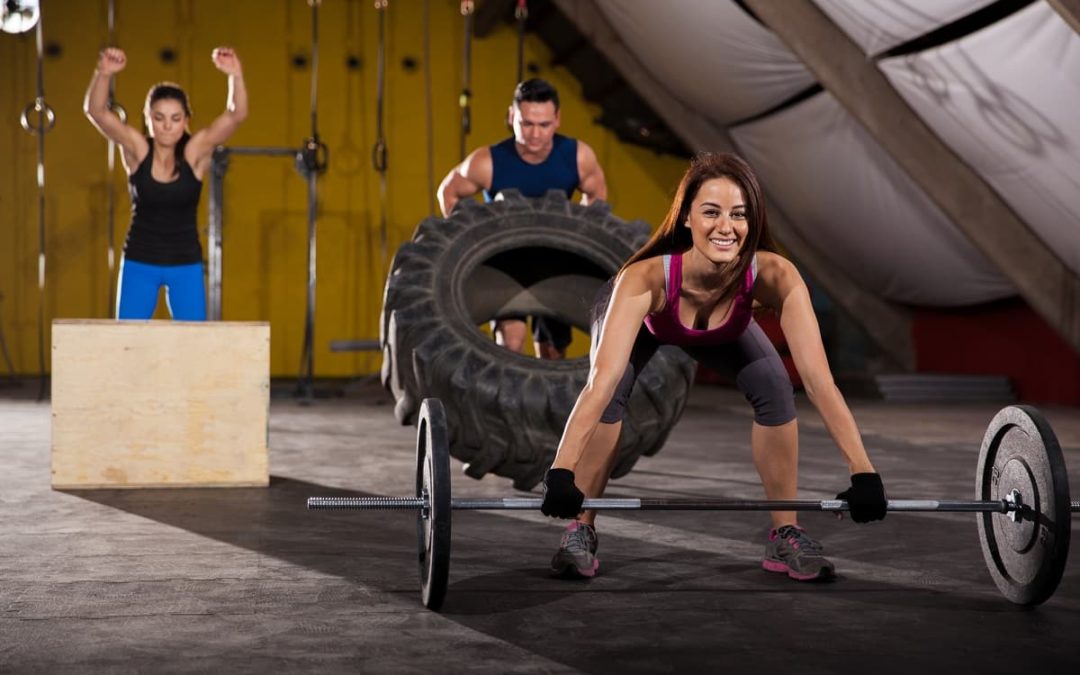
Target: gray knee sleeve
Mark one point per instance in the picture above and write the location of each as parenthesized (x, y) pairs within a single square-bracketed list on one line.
[(766, 385)]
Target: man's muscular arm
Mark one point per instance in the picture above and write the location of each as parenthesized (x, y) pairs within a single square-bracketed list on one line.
[(465, 180), (590, 175)]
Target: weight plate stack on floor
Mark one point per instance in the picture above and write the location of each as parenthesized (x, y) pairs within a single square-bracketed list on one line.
[(1026, 556), (433, 486), (513, 257)]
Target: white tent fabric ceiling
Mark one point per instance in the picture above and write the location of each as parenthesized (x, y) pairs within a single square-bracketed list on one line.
[(1000, 97), (1007, 100), (861, 210), (879, 25), (710, 54)]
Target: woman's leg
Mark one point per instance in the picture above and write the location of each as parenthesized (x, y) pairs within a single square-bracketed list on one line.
[(774, 438), (186, 292), (776, 457), (136, 290)]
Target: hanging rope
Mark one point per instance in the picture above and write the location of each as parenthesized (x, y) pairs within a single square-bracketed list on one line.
[(465, 100), (428, 106), (45, 118), (521, 13), (378, 152), (314, 68)]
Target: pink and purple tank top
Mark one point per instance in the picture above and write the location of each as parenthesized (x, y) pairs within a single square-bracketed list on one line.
[(668, 329)]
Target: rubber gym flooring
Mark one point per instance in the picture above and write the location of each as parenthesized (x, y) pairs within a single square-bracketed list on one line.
[(248, 580)]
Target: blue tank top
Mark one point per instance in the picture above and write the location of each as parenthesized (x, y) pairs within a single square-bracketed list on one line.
[(558, 172)]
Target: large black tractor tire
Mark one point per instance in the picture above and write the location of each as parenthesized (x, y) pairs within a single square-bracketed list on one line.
[(514, 256)]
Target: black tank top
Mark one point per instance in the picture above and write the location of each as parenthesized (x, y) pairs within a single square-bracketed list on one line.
[(163, 216)]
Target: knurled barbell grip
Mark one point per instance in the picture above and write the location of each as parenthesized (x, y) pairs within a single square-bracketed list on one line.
[(364, 503), (614, 504)]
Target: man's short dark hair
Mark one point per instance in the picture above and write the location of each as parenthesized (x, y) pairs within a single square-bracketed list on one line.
[(536, 91)]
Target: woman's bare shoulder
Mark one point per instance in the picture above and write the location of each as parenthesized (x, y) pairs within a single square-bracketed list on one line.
[(645, 276), (646, 272)]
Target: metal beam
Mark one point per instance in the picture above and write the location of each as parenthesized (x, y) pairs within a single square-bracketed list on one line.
[(887, 324), (1069, 10), (1038, 274)]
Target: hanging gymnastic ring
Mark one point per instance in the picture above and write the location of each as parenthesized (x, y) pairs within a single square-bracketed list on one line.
[(378, 156), (38, 106), (119, 110)]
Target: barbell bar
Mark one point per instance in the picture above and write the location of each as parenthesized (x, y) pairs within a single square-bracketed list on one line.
[(1007, 505), (1021, 474)]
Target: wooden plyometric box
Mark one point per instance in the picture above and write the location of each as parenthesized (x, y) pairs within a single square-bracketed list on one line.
[(159, 404)]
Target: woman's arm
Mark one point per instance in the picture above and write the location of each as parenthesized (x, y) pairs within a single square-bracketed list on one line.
[(96, 107), (635, 295), (201, 146), (781, 287)]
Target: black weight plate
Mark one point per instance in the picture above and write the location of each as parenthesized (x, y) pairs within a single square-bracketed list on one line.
[(1026, 558), (433, 485)]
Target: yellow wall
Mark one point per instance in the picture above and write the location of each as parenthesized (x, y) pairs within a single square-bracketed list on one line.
[(265, 208)]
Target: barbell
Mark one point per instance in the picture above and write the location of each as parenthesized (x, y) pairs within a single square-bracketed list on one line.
[(1021, 487)]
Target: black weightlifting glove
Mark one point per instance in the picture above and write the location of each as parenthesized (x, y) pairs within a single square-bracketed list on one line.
[(562, 499), (865, 498)]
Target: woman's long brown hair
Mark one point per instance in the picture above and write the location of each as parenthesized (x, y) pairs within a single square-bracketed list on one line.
[(673, 237)]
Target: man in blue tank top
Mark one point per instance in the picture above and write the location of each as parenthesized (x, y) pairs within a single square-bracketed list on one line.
[(536, 159)]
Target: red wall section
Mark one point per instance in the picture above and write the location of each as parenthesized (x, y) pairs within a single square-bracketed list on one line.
[(1001, 338)]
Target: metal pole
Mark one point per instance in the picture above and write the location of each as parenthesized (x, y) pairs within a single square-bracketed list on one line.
[(219, 164)]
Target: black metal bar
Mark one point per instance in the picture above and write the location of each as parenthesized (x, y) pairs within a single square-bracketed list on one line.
[(269, 152), (355, 346)]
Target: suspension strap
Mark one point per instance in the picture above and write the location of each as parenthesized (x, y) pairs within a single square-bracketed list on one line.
[(110, 188), (379, 151), (429, 119), (44, 116), (465, 100), (309, 158), (521, 13)]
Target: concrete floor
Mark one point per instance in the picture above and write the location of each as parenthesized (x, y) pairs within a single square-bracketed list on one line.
[(247, 580)]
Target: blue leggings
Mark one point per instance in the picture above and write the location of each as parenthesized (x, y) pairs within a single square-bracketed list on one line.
[(185, 291)]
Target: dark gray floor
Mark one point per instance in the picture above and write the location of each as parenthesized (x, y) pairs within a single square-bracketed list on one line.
[(248, 580)]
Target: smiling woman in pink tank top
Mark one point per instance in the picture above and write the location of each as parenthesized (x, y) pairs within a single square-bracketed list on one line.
[(694, 285)]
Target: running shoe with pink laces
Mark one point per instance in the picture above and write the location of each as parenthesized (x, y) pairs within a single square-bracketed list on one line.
[(576, 557), (791, 551)]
